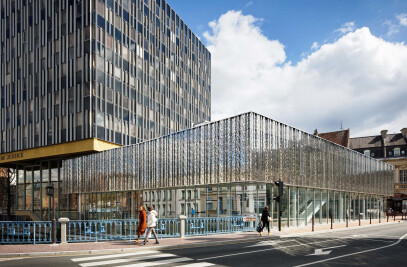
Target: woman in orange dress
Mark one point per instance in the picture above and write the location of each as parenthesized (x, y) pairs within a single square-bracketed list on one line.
[(142, 225)]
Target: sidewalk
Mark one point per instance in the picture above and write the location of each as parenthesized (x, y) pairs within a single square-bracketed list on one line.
[(125, 245)]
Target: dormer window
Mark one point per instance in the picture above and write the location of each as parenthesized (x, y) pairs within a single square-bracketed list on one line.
[(396, 151), (366, 153)]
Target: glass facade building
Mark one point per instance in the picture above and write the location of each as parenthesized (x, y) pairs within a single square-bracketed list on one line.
[(122, 71), (228, 168)]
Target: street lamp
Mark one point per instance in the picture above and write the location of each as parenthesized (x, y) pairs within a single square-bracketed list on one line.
[(50, 190)]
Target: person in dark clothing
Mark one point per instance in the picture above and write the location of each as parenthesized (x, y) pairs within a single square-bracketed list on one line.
[(265, 220)]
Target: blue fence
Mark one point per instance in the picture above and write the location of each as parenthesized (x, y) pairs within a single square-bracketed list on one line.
[(26, 232), (207, 226), (102, 230)]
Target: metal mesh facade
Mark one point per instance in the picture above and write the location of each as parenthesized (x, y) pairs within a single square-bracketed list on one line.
[(121, 71), (244, 148)]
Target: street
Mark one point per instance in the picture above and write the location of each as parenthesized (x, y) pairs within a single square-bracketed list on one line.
[(379, 245)]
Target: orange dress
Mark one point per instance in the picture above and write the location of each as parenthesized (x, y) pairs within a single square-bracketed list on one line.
[(142, 224)]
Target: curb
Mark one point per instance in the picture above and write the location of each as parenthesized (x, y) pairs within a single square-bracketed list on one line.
[(191, 245)]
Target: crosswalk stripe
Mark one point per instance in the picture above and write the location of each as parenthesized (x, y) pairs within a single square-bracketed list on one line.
[(154, 256), (119, 255), (155, 263), (198, 264)]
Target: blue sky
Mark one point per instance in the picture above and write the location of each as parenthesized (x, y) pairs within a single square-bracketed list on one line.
[(310, 64), (298, 24)]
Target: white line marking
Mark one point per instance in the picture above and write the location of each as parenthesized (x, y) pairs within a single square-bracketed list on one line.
[(335, 247), (355, 253), (267, 249), (154, 263), (99, 263), (198, 264), (119, 255)]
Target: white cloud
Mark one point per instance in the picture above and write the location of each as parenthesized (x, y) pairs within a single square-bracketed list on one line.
[(249, 3), (392, 28), (315, 46), (346, 27), (402, 19), (359, 79)]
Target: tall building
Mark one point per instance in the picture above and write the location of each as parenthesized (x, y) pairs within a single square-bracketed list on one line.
[(119, 71), (83, 76)]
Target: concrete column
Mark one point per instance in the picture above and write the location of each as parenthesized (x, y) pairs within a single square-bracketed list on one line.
[(182, 219), (63, 222)]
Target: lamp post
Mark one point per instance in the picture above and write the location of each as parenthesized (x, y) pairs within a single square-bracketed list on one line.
[(51, 192)]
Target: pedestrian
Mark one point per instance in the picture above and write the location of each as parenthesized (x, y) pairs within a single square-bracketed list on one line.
[(265, 219), (192, 212), (142, 222), (151, 223)]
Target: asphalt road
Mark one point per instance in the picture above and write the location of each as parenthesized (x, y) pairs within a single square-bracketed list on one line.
[(381, 245)]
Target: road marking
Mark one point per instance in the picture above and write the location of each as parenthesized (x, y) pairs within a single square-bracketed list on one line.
[(119, 255), (198, 264), (267, 249), (268, 243), (139, 258), (319, 251), (355, 253), (154, 263)]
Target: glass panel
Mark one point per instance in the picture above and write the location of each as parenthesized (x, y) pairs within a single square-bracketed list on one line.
[(250, 203), (324, 208), (302, 206), (28, 189), (201, 204), (21, 190), (224, 201), (37, 190), (293, 206), (212, 202)]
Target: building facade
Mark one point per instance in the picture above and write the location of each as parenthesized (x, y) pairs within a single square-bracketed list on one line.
[(228, 168), (392, 149), (81, 76), (120, 71)]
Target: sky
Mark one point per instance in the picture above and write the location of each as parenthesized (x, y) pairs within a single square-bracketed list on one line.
[(322, 65)]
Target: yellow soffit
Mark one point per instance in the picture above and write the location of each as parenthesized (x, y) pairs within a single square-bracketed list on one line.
[(76, 147)]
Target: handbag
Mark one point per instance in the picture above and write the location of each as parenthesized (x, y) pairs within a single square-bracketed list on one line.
[(259, 226), (269, 219)]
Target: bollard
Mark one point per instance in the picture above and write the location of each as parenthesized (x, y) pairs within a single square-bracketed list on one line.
[(331, 221), (359, 219), (370, 218), (313, 223), (347, 220), (379, 217), (54, 231), (63, 222), (182, 219), (387, 217), (394, 214)]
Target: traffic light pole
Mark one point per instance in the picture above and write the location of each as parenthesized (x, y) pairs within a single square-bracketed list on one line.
[(278, 199), (279, 215)]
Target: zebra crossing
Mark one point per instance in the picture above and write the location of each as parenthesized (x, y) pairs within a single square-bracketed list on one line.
[(139, 259)]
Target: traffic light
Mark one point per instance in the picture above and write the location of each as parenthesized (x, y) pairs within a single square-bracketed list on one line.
[(280, 186)]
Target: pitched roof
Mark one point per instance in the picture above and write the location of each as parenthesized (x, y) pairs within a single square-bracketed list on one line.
[(376, 141), (338, 137)]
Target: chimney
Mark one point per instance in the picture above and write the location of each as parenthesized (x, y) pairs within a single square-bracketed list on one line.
[(316, 132), (384, 135), (404, 132)]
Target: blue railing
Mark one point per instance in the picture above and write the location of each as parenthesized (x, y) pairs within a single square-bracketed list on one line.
[(26, 232), (103, 230), (213, 225)]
